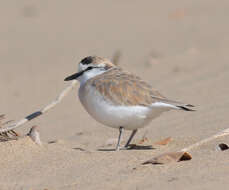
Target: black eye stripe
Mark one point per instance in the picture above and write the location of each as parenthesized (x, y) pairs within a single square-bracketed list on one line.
[(87, 60), (89, 68)]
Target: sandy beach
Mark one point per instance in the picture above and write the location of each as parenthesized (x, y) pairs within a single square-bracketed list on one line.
[(180, 48)]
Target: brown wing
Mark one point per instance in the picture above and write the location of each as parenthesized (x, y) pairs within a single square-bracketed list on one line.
[(124, 88)]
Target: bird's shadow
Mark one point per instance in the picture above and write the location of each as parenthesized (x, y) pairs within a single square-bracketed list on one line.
[(78, 148), (130, 147)]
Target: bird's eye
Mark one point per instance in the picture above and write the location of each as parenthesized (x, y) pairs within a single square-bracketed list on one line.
[(89, 68)]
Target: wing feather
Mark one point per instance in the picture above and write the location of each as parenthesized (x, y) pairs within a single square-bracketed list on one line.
[(124, 88)]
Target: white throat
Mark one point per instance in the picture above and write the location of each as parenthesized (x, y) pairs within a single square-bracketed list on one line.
[(90, 74)]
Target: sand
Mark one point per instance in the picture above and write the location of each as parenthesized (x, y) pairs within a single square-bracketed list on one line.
[(180, 47)]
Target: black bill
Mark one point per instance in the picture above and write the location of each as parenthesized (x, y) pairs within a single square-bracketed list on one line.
[(74, 76)]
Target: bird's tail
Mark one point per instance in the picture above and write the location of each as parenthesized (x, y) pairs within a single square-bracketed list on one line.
[(174, 104), (187, 107)]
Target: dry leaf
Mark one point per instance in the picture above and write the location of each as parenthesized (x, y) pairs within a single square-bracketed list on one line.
[(169, 157), (164, 141)]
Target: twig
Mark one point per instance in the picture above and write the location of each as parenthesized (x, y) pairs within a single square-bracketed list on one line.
[(38, 113), (220, 134)]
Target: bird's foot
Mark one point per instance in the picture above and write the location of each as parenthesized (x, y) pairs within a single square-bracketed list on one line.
[(122, 148)]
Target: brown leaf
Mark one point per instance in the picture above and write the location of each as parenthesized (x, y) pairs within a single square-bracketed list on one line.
[(169, 157), (164, 141)]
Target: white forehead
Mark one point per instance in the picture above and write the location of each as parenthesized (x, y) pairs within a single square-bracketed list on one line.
[(82, 67)]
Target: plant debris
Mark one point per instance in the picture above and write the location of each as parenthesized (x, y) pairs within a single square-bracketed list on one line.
[(183, 154), (169, 157), (9, 135), (34, 135)]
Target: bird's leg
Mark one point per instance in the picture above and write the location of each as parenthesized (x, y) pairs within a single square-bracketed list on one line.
[(130, 138), (119, 138)]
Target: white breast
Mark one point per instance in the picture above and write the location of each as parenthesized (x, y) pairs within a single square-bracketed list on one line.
[(129, 117)]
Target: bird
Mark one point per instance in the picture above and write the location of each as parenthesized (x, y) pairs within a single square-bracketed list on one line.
[(119, 99)]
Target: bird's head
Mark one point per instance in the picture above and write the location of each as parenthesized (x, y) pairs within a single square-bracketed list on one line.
[(91, 66)]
